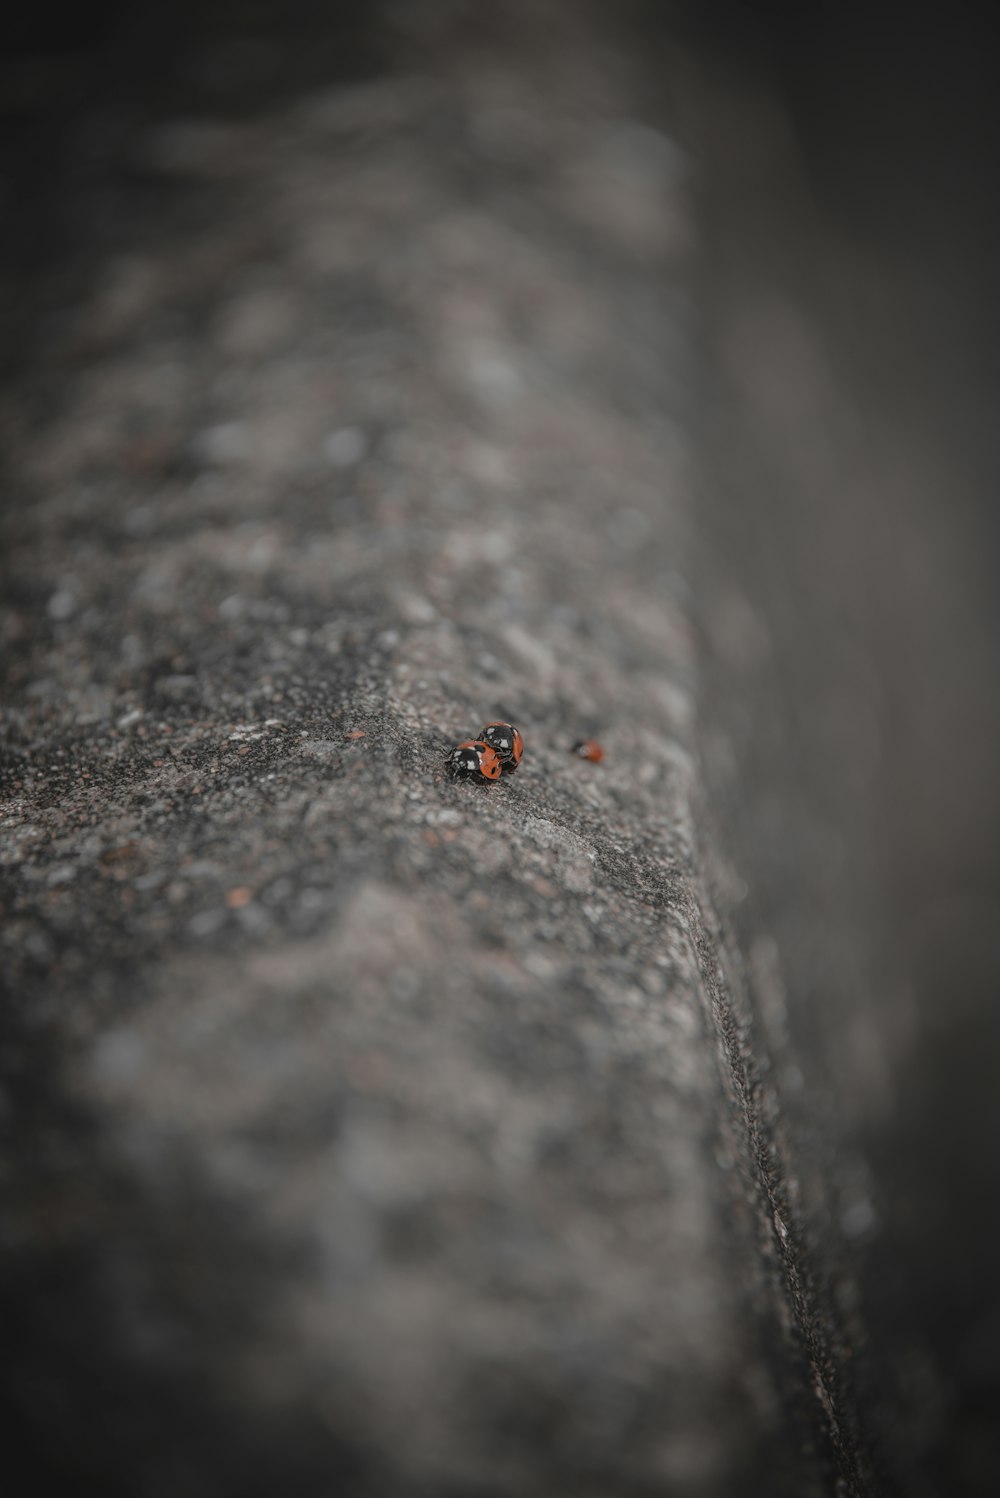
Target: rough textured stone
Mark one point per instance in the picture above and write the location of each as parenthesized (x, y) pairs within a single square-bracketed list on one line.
[(377, 1133)]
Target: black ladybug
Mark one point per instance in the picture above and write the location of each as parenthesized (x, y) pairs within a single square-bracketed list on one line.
[(506, 741)]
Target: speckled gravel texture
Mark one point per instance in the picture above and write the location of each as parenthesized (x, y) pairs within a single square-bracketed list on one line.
[(381, 1134)]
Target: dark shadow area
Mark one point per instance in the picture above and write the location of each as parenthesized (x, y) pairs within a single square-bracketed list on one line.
[(850, 298), (79, 85)]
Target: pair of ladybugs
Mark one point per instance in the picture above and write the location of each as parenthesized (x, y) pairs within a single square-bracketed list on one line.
[(496, 752)]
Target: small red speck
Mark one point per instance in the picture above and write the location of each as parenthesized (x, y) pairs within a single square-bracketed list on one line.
[(238, 897), (356, 733), (589, 749)]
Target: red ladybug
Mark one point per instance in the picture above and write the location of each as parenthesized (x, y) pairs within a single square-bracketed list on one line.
[(506, 742), (474, 760), (588, 749)]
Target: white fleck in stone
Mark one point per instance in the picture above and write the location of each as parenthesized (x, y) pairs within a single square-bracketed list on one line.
[(177, 686), (223, 444), (321, 748), (445, 817), (117, 1058), (206, 922), (495, 546), (253, 918), (540, 966), (858, 1218), (140, 520), (345, 447), (494, 374), (415, 609), (38, 946), (62, 604)]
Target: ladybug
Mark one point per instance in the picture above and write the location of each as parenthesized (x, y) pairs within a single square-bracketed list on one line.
[(588, 749), (506, 742), (474, 760)]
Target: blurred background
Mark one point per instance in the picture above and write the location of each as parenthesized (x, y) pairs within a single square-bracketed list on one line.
[(852, 236), (840, 406)]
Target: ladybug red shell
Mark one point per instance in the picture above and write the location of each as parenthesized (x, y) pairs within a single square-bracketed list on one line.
[(506, 742), (474, 760), (588, 749)]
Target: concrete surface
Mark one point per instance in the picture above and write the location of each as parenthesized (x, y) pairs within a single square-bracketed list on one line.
[(377, 1134)]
